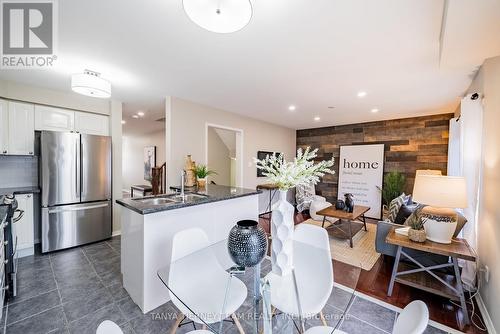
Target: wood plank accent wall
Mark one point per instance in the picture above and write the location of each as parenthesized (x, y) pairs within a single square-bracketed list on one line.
[(410, 144)]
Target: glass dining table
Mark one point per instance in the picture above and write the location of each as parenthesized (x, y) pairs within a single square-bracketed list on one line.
[(208, 279)]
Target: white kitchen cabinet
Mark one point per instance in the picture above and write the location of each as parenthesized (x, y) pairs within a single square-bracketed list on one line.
[(91, 124), (24, 228), (54, 119), (21, 128), (4, 127)]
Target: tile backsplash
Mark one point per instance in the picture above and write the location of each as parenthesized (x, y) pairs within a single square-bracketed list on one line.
[(18, 171)]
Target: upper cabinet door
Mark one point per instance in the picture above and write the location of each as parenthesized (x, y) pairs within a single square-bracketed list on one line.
[(91, 124), (54, 119), (4, 127), (21, 128)]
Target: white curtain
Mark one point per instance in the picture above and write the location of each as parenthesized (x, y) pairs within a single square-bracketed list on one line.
[(465, 159)]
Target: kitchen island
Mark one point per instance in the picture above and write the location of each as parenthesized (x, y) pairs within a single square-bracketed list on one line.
[(149, 223)]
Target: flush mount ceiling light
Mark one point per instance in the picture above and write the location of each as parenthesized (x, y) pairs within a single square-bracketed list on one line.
[(361, 94), (374, 110), (140, 113), (135, 116), (221, 16), (317, 119), (292, 108), (90, 83), (123, 122)]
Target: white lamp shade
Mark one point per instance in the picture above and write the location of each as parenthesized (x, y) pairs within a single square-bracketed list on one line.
[(90, 85), (221, 16), (440, 191), (428, 172)]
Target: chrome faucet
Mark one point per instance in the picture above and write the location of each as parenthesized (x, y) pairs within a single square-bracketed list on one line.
[(183, 175)]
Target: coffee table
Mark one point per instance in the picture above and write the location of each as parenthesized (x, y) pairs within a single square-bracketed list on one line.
[(345, 226)]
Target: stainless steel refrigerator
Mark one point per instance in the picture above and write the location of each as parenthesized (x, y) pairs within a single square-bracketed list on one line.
[(75, 181)]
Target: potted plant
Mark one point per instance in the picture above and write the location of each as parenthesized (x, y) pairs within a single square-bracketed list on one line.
[(285, 175), (416, 222), (394, 184), (202, 172)]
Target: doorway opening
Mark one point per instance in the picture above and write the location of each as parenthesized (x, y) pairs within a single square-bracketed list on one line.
[(224, 147)]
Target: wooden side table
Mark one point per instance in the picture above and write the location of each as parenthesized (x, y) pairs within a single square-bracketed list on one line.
[(272, 191), (425, 278), (349, 217)]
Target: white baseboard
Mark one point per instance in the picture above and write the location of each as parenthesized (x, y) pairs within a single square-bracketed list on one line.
[(486, 316), (115, 233)]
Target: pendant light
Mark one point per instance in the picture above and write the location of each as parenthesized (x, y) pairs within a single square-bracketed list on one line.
[(90, 83), (221, 16)]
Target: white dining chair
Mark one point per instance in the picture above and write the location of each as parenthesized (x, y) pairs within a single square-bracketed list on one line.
[(200, 282), (323, 330), (108, 327), (313, 271), (413, 319)]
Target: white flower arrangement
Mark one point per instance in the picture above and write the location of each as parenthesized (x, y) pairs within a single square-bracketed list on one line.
[(302, 171)]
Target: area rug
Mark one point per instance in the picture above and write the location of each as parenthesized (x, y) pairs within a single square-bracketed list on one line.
[(362, 255)]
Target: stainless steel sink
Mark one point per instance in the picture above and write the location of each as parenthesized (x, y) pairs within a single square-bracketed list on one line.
[(170, 199), (157, 200), (190, 197)]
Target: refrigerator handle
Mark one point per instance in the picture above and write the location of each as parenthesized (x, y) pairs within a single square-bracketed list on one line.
[(78, 169)]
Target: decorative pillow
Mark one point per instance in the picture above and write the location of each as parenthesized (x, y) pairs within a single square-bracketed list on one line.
[(395, 205), (404, 212), (409, 201)]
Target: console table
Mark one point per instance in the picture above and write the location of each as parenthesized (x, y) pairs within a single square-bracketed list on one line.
[(425, 277), (142, 188), (272, 188)]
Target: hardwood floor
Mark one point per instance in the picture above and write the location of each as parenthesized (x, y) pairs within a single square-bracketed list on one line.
[(374, 283)]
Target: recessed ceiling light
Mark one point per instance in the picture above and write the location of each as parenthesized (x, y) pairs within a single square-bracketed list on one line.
[(123, 121), (140, 113), (135, 116), (292, 108), (361, 94), (317, 119), (374, 110)]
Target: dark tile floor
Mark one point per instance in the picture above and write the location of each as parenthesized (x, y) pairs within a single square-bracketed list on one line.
[(73, 291)]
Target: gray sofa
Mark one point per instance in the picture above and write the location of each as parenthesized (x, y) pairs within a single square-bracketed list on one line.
[(426, 259)]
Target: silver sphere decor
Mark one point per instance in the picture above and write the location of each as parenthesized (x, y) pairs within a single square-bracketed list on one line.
[(247, 243)]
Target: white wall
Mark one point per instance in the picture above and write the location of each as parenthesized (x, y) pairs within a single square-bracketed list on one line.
[(487, 82), (133, 156), (186, 125), (218, 159)]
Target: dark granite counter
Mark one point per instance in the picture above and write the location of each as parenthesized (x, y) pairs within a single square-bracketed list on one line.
[(19, 190), (214, 193)]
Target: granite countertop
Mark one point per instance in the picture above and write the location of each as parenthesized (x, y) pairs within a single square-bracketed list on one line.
[(19, 190), (214, 193)]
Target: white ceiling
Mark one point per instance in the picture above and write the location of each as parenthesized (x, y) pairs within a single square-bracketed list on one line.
[(312, 54)]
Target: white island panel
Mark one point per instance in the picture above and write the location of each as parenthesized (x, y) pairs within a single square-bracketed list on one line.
[(147, 241)]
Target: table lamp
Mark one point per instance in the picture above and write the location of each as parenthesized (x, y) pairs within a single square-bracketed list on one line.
[(442, 194)]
